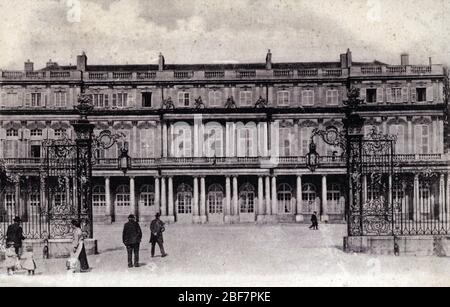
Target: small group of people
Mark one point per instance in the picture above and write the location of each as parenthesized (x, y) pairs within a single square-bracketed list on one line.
[(15, 259), (132, 237)]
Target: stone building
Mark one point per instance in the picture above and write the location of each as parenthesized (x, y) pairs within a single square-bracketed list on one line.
[(225, 143)]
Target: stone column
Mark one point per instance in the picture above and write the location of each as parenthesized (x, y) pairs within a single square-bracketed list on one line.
[(157, 195), (268, 202), (325, 217), (203, 216), (195, 209), (261, 212), (171, 205), (416, 200), (163, 197), (442, 197), (274, 196), (235, 198), (299, 216), (227, 199), (108, 209), (133, 197)]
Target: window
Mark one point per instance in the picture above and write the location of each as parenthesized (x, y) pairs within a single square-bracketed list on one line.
[(399, 132), (36, 132), (99, 200), (246, 139), (60, 99), (100, 100), (334, 199), (396, 95), (425, 139), (332, 97), (309, 198), (213, 141), (421, 94), (36, 99), (425, 203), (10, 201), (120, 100), (35, 200), (215, 199), (398, 196), (35, 151), (283, 98), (215, 98), (147, 196), (147, 143), (147, 100), (284, 197), (12, 133), (184, 199), (285, 142), (59, 199), (247, 198), (12, 99), (182, 144), (246, 98), (306, 139), (123, 196), (371, 95), (59, 132), (184, 99), (308, 97)]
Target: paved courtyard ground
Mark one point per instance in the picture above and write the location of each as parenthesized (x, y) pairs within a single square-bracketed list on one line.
[(240, 255)]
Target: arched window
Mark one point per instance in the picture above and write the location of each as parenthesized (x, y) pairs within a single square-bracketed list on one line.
[(247, 198), (284, 197), (215, 199), (123, 196), (184, 199), (309, 197), (147, 195), (334, 199), (213, 140), (182, 140)]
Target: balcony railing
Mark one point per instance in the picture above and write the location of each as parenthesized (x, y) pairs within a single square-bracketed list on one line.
[(183, 74), (98, 76), (308, 72), (246, 74), (146, 75), (287, 73), (122, 75), (371, 70), (214, 74), (396, 69), (332, 72), (59, 74), (421, 69), (112, 163)]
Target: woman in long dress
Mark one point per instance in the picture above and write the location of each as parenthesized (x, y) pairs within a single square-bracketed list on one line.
[(78, 246)]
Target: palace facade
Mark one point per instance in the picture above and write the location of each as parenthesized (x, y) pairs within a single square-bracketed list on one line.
[(225, 143)]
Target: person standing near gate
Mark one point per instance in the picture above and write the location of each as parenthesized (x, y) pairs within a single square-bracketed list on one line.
[(157, 229), (314, 222), (14, 234), (79, 250), (131, 237)]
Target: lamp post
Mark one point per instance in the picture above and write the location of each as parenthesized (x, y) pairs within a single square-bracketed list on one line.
[(124, 159)]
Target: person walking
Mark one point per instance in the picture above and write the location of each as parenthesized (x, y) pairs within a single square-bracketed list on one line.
[(131, 238), (14, 234), (314, 222), (157, 229), (79, 251)]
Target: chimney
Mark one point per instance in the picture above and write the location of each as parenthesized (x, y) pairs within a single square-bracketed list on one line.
[(269, 60), (29, 66), (349, 58), (161, 62), (405, 59), (82, 62), (343, 60), (50, 64)]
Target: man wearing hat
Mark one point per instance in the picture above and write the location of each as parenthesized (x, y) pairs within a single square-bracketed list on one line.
[(131, 237), (14, 234), (157, 229)]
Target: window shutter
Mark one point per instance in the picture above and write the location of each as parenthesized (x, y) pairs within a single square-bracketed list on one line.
[(27, 99), (253, 137), (430, 96), (380, 95), (405, 94), (418, 139), (3, 100), (130, 100), (106, 100), (389, 95), (363, 94), (413, 94)]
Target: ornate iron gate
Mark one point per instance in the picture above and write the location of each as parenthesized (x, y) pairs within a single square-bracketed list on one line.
[(370, 167)]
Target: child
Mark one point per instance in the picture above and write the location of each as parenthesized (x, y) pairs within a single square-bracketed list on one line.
[(29, 264), (11, 258)]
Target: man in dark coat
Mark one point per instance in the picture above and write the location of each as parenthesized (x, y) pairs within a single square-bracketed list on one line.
[(14, 234), (131, 237), (157, 229), (314, 222)]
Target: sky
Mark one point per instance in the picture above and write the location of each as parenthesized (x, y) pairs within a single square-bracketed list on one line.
[(218, 31)]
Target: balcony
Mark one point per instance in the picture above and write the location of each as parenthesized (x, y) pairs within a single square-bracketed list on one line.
[(214, 74), (283, 73), (227, 162), (246, 74), (183, 74), (410, 70)]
